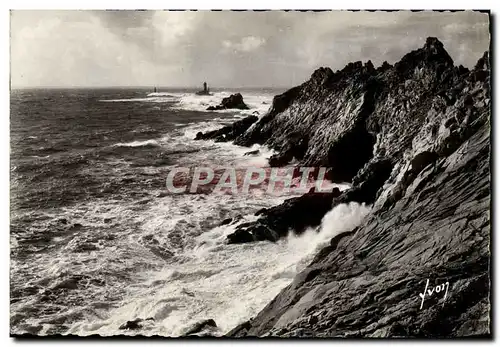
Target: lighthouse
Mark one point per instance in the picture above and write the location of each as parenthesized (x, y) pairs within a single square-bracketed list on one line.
[(205, 91)]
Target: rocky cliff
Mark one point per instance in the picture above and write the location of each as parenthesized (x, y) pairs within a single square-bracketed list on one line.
[(413, 139)]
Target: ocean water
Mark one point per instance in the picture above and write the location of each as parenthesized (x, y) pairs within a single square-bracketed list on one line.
[(96, 239)]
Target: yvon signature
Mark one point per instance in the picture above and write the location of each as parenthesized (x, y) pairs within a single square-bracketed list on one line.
[(436, 289)]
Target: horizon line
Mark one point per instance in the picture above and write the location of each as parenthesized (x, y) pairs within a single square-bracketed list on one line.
[(143, 87)]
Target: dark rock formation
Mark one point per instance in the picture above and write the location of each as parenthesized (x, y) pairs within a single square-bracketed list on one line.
[(414, 140), (339, 114), (134, 324), (229, 132), (256, 152), (294, 214), (367, 285), (226, 221), (295, 149), (232, 101), (361, 122), (367, 183), (204, 327)]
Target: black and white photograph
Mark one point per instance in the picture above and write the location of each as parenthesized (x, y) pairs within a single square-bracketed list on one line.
[(279, 174)]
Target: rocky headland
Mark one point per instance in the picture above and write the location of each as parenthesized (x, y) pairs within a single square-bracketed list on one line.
[(229, 132), (413, 140)]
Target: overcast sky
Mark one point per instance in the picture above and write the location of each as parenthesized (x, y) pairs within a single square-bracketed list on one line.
[(226, 49)]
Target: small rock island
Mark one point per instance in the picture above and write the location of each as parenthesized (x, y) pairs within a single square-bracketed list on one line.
[(232, 101)]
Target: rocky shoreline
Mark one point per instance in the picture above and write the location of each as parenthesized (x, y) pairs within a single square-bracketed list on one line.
[(413, 139)]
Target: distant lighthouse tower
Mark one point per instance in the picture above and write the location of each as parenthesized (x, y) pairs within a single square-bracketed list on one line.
[(205, 91)]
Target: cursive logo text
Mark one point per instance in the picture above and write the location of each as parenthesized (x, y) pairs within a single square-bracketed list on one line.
[(436, 289)]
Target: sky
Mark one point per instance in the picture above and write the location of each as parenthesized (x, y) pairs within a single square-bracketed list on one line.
[(227, 49)]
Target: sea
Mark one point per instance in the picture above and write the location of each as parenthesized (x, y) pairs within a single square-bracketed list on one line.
[(96, 239)]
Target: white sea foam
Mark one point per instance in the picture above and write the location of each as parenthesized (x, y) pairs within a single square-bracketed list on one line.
[(165, 257), (258, 103), (138, 143), (154, 99), (229, 283), (172, 262), (167, 95)]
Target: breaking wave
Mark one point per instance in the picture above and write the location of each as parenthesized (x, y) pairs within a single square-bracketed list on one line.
[(258, 103), (210, 279), (147, 143), (134, 251)]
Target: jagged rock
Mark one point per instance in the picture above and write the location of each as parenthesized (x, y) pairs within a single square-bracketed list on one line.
[(348, 154), (256, 152), (413, 140), (421, 160), (240, 329), (226, 221), (428, 178), (282, 159), (134, 324), (261, 211), (200, 327), (479, 75), (131, 325), (389, 103), (249, 232), (335, 119), (232, 101), (385, 66), (368, 284), (293, 214), (295, 149), (229, 132), (483, 63), (369, 66), (280, 103)]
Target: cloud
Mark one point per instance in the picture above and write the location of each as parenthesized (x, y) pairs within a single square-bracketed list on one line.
[(172, 48), (246, 44), (71, 50)]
